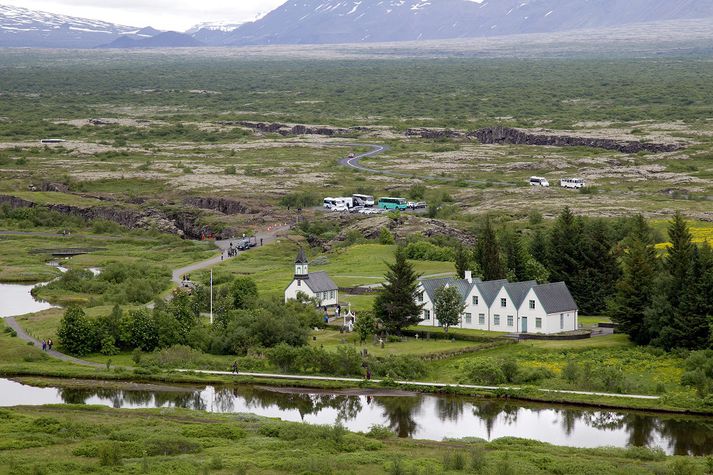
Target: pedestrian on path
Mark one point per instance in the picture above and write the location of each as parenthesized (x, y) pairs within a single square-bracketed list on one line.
[(44, 345), (235, 367), (49, 344)]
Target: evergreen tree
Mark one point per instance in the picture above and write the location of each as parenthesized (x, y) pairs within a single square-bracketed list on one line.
[(76, 333), (515, 255), (448, 306), (538, 247), (487, 254), (596, 277), (462, 260), (564, 252), (396, 305), (680, 258), (244, 293), (635, 289)]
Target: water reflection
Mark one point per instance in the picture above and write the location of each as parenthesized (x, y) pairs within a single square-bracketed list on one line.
[(408, 415), (16, 299)]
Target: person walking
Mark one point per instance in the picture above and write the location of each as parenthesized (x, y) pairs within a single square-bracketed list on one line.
[(49, 344), (44, 345), (235, 366)]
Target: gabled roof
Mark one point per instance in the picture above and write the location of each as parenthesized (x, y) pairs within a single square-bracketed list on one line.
[(518, 290), (555, 298), (489, 289), (431, 285), (301, 257), (320, 282)]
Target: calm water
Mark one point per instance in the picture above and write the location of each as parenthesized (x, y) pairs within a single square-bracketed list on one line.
[(409, 415), (16, 299)]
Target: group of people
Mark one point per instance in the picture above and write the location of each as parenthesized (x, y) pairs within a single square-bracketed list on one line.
[(47, 345)]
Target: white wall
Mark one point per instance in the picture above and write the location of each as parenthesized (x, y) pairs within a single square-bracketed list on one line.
[(533, 314), (508, 309), (427, 305), (292, 290), (300, 286), (475, 311)]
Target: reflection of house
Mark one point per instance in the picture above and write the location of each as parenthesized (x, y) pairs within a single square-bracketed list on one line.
[(499, 305), (315, 285)]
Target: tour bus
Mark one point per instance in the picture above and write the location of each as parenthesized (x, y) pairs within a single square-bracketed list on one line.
[(393, 203), (363, 200), (329, 203), (539, 181), (336, 204), (572, 183)]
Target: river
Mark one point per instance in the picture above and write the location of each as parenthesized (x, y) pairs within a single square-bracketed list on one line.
[(412, 415)]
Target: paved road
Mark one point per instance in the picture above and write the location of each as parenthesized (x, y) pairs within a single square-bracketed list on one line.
[(267, 237), (355, 163), (23, 335)]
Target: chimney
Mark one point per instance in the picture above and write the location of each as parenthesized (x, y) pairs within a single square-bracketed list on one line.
[(469, 276)]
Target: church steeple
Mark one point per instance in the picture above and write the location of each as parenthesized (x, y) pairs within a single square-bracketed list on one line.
[(301, 265)]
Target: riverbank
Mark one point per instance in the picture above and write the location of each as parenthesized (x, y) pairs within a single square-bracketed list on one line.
[(81, 439)]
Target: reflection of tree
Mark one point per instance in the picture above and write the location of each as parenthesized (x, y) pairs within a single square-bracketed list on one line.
[(640, 429), (223, 401), (688, 437), (399, 412), (449, 408), (74, 395), (489, 411)]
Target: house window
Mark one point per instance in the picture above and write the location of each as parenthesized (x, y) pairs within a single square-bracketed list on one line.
[(475, 300), (496, 320), (538, 323), (503, 302), (561, 321), (426, 314), (532, 305), (468, 318), (420, 296), (481, 319), (299, 283), (331, 294), (511, 321)]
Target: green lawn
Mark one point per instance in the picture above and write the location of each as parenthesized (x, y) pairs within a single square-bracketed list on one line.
[(47, 198)]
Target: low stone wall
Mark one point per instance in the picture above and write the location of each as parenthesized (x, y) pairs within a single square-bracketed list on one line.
[(565, 337)]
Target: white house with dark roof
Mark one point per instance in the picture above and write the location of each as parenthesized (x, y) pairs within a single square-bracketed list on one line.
[(499, 305), (317, 285)]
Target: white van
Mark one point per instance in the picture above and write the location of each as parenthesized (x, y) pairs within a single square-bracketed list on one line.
[(363, 200), (539, 181), (339, 205), (572, 183), (329, 203)]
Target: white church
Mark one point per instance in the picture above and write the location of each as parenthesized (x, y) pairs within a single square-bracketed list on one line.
[(317, 285)]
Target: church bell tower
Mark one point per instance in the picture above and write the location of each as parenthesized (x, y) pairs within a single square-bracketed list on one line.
[(301, 266)]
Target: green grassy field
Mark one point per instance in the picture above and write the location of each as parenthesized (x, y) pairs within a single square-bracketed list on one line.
[(74, 439)]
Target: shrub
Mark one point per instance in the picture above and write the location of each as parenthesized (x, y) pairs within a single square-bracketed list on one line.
[(454, 461), (230, 170), (380, 432), (484, 371), (532, 375), (171, 446), (109, 455), (510, 369), (477, 460), (426, 251), (398, 366)]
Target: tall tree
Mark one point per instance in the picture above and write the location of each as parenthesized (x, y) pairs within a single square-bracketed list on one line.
[(515, 255), (448, 306), (538, 247), (396, 305), (76, 332), (564, 252), (244, 293), (598, 271), (680, 258), (487, 254), (635, 289), (462, 260)]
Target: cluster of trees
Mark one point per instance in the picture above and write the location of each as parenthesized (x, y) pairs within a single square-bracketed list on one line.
[(241, 321), (665, 300), (576, 250), (118, 283)]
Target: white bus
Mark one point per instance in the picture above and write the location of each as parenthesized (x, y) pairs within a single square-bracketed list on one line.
[(539, 181), (572, 183), (363, 200), (336, 204)]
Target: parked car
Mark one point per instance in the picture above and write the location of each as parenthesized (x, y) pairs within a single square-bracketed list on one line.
[(572, 183), (418, 205), (539, 181)]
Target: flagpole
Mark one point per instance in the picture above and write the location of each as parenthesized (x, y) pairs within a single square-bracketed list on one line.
[(211, 296)]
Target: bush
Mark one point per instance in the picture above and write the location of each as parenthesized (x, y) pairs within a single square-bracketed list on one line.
[(109, 455), (533, 375), (426, 251), (171, 446), (484, 371), (397, 366), (380, 432), (454, 461)]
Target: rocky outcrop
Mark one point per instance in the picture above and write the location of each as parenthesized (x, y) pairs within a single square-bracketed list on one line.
[(287, 130), (505, 135), (54, 187), (180, 222), (426, 133), (224, 205)]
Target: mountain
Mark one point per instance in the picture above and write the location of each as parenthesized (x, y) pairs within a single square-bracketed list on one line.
[(168, 39), (354, 21), (213, 33), (22, 27)]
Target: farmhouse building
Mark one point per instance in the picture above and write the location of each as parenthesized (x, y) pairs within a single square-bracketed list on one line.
[(502, 306), (317, 285)]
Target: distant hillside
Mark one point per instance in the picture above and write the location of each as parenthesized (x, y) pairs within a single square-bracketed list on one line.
[(29, 28), (354, 21), (168, 39)]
